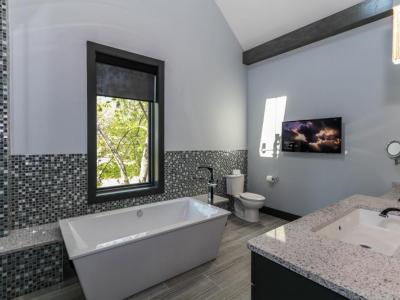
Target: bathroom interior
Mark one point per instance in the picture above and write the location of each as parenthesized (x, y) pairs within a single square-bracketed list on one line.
[(199, 149)]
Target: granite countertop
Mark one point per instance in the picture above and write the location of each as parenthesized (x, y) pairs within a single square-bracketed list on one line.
[(25, 238), (349, 270)]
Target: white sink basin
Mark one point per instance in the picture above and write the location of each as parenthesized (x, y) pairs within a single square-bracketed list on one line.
[(367, 229)]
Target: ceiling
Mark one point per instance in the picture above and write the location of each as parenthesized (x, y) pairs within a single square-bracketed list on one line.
[(257, 21)]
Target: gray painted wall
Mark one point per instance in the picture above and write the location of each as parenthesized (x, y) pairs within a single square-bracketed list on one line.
[(205, 80), (350, 75)]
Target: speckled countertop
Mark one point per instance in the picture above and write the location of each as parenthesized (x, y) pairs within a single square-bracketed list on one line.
[(349, 270), (21, 239)]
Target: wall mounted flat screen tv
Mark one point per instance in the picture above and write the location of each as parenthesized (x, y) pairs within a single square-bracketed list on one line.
[(317, 136)]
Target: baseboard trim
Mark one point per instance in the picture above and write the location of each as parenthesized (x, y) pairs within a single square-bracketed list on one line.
[(279, 214)]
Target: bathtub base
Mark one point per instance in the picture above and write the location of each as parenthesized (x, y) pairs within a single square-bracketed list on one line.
[(123, 271)]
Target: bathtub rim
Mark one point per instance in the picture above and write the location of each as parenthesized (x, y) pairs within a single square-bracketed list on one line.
[(75, 253)]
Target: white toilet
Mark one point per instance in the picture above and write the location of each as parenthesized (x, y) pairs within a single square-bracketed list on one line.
[(246, 204)]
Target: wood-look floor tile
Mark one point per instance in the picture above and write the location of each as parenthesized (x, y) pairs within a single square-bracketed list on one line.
[(200, 287), (238, 290), (190, 275), (231, 272), (150, 293), (67, 290)]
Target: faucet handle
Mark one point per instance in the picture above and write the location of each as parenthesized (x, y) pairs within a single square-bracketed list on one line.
[(213, 184)]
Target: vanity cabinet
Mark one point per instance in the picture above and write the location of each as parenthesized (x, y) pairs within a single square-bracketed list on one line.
[(270, 280)]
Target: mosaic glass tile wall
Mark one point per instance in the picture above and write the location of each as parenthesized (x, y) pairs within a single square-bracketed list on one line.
[(46, 188), (30, 270), (3, 119)]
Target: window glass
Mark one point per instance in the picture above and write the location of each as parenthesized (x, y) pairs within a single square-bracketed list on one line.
[(122, 141)]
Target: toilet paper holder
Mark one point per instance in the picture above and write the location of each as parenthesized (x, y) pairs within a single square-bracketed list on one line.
[(272, 179)]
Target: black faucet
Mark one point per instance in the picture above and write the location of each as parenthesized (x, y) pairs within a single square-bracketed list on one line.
[(385, 212), (211, 183)]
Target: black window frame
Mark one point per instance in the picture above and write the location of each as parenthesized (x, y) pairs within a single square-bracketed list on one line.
[(105, 54)]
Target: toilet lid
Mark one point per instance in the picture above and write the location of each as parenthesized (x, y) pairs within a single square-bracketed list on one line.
[(252, 197)]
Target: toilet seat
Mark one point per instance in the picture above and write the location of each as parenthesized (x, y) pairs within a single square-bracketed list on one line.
[(251, 197)]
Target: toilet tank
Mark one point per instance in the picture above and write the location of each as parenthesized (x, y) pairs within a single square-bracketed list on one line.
[(234, 184)]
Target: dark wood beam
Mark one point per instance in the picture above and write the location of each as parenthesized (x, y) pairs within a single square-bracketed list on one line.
[(358, 15)]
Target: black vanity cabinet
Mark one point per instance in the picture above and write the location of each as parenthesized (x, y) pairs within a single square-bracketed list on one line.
[(271, 281)]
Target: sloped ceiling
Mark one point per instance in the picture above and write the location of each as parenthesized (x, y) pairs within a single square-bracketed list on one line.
[(257, 21)]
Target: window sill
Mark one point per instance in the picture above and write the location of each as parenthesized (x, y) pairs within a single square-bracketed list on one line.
[(119, 193)]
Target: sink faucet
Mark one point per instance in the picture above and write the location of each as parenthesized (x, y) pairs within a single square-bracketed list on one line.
[(211, 184), (385, 212)]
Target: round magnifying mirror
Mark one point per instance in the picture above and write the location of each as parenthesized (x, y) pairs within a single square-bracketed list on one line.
[(393, 150)]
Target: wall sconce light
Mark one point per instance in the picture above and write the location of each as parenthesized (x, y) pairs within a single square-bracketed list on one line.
[(396, 32)]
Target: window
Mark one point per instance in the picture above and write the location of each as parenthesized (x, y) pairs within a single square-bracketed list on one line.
[(272, 127), (125, 124)]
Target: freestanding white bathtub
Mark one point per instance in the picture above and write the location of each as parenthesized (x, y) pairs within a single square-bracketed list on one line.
[(119, 253)]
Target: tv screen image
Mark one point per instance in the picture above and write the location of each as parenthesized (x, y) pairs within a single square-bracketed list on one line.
[(317, 136)]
